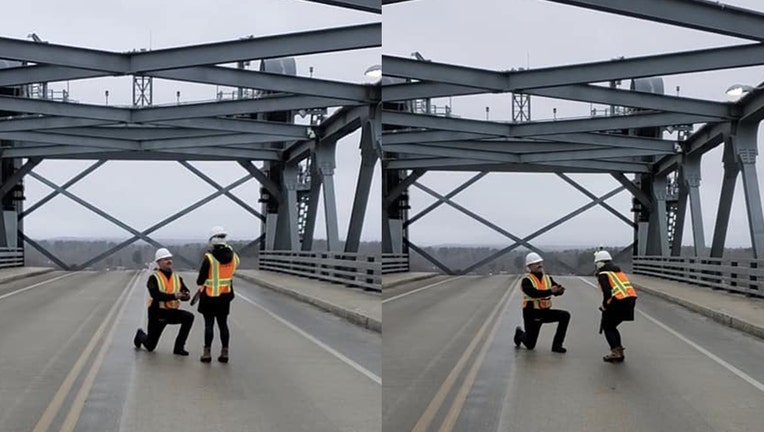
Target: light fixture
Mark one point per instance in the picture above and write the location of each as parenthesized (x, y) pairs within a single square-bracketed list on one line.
[(374, 71), (737, 90)]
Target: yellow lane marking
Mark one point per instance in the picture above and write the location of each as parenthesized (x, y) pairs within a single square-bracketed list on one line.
[(437, 401), (58, 400), (461, 397)]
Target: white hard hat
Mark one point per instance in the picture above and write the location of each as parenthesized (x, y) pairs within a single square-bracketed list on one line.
[(218, 231), (602, 255), (533, 258), (162, 253)]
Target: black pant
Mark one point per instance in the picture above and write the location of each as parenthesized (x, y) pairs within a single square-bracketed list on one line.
[(609, 327), (209, 331), (159, 318), (534, 318)]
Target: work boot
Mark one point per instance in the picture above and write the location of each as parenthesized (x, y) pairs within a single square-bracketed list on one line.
[(138, 339), (206, 356), (615, 356), (559, 349), (519, 333), (223, 355), (180, 352)]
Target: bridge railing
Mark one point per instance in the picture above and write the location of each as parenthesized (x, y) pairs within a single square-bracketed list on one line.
[(737, 275), (394, 263), (351, 269), (11, 257)]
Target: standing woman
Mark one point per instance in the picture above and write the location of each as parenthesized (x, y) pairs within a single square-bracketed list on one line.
[(215, 282), (618, 301)]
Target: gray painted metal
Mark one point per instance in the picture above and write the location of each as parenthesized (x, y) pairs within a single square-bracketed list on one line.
[(369, 158), (746, 147), (362, 5), (105, 215), (700, 15)]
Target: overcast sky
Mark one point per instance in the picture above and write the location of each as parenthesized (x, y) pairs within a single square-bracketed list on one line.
[(141, 194), (502, 35)]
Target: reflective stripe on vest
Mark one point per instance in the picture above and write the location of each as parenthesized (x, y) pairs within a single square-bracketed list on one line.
[(540, 284), (220, 276), (619, 285), (168, 286)]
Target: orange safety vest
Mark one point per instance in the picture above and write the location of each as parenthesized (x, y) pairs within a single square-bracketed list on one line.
[(620, 287), (167, 285), (545, 283), (220, 276)]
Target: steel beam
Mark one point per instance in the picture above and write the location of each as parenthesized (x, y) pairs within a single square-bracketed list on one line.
[(229, 77), (595, 124), (17, 175), (103, 214), (428, 257), (217, 186), (166, 221), (238, 107), (241, 126), (21, 124), (636, 192), (69, 140), (361, 5), (707, 16), (369, 158), (62, 55), (746, 148), (313, 204), (267, 183), (326, 163), (12, 77), (639, 67), (593, 197), (44, 251), (446, 197), (84, 173), (64, 109), (691, 177), (284, 45), (402, 186), (731, 171)]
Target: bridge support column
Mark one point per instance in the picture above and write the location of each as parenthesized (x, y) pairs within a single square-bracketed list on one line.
[(325, 159), (746, 150), (691, 181), (369, 157), (731, 171), (287, 236), (657, 233)]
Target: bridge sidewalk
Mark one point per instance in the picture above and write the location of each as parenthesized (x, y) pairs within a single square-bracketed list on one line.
[(15, 273), (395, 279), (353, 304), (731, 309)]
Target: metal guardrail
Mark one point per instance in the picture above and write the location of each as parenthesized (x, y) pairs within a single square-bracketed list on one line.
[(351, 269), (395, 263), (11, 257), (742, 276)]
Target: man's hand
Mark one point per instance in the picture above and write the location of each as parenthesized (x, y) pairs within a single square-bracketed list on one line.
[(557, 290), (182, 295)]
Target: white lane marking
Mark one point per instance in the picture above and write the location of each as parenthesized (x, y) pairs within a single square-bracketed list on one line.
[(420, 289), (742, 375), (311, 338), (19, 291)]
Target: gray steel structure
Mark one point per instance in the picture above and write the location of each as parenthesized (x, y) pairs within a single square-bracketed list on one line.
[(666, 172), (258, 126)]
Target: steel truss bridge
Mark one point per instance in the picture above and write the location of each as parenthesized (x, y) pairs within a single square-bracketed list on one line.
[(630, 144), (256, 128)]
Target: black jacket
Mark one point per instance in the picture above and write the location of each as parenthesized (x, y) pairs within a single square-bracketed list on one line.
[(215, 305), (623, 309), (532, 292), (157, 295)]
